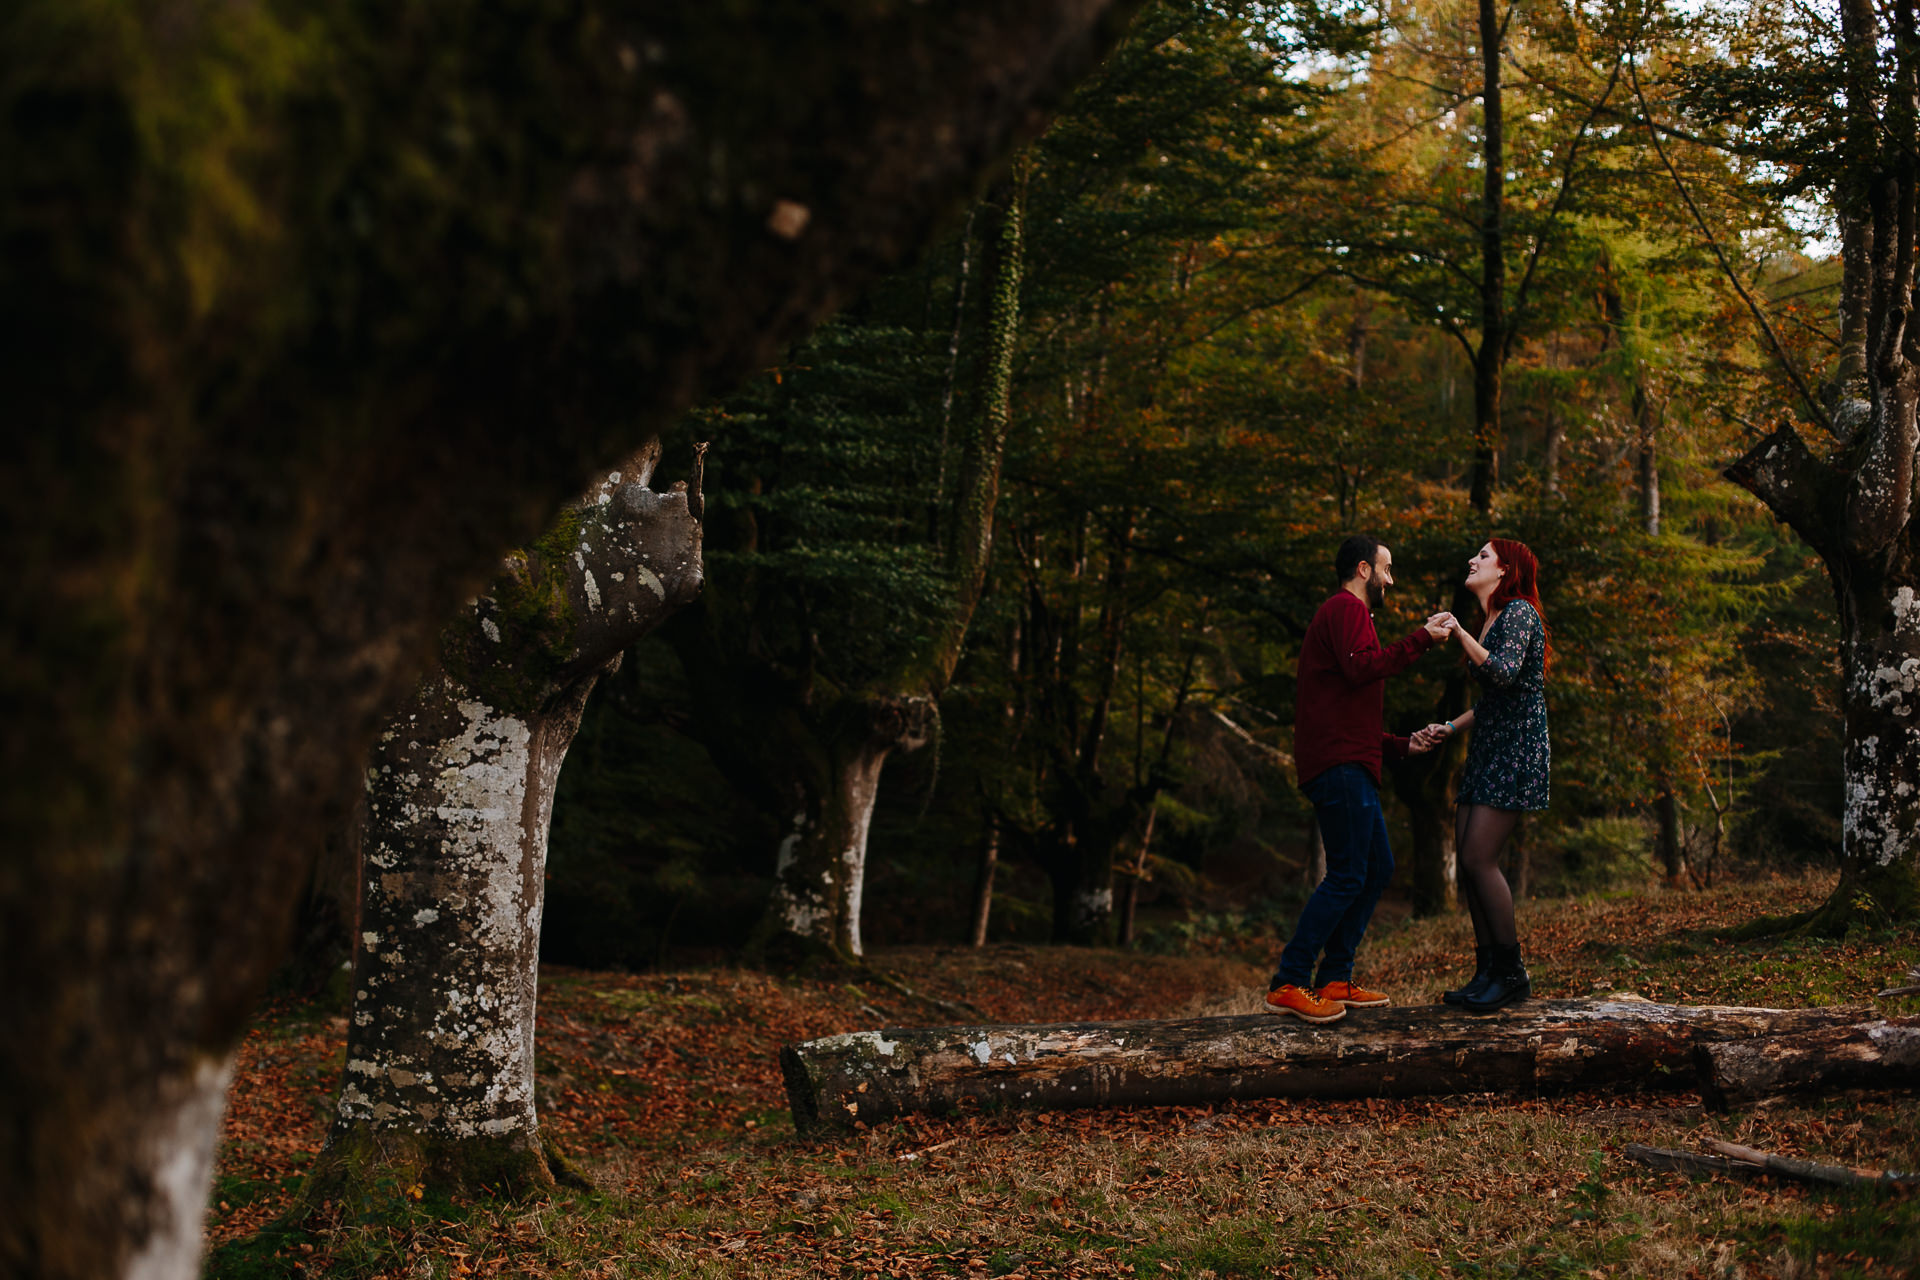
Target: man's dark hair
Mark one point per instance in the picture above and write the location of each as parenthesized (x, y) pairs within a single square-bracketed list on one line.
[(1355, 551)]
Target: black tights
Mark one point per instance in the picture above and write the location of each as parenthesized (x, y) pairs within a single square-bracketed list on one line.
[(1479, 832)]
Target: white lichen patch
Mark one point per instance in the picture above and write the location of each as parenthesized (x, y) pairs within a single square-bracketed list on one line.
[(857, 1039), (650, 580)]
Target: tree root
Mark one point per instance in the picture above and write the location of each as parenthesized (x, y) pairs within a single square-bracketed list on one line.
[(1771, 926)]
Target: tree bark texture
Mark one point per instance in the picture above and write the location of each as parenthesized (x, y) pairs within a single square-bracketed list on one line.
[(1538, 1046), (820, 873), (1872, 1055), (1855, 506), (439, 1077), (312, 314)]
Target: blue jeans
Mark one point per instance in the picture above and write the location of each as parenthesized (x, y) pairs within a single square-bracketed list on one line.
[(1359, 863)]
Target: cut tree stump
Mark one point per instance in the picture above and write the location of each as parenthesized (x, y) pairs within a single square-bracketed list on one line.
[(1883, 1054), (864, 1077)]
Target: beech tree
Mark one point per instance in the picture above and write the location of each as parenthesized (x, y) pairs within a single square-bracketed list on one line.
[(1841, 102), (439, 1078), (837, 621), (288, 291)]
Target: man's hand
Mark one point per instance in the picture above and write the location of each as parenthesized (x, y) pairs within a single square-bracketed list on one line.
[(1441, 625), (1425, 740)]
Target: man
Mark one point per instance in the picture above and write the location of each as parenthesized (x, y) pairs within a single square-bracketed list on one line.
[(1338, 743)]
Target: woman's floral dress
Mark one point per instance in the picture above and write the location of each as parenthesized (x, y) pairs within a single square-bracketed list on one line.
[(1508, 758)]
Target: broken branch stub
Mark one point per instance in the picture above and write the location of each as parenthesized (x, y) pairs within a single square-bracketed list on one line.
[(1541, 1046)]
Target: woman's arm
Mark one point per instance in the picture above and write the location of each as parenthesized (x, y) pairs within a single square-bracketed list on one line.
[(1475, 651), (1499, 665)]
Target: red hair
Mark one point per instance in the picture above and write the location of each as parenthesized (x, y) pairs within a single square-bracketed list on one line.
[(1521, 581)]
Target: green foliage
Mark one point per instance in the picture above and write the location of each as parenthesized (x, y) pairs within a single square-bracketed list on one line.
[(1249, 246)]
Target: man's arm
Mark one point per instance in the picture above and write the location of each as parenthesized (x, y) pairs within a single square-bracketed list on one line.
[(1357, 649)]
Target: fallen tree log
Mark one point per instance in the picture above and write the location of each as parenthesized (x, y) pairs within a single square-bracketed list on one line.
[(1541, 1046), (1883, 1054)]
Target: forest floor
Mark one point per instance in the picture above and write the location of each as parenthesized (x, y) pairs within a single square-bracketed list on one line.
[(665, 1088)]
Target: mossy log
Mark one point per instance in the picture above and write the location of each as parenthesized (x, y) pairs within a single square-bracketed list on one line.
[(1875, 1055), (1541, 1046)]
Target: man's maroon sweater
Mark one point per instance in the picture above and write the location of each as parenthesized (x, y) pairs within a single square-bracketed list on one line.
[(1338, 710)]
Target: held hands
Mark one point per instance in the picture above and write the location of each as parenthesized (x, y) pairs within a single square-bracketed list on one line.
[(1425, 740), (1441, 625)]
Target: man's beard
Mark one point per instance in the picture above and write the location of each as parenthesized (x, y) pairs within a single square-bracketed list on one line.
[(1376, 594)]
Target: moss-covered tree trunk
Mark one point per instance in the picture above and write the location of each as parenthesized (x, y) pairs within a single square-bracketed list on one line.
[(812, 754), (311, 313), (439, 1081), (1855, 506)]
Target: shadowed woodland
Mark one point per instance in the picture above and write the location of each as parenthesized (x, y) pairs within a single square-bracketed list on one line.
[(564, 549)]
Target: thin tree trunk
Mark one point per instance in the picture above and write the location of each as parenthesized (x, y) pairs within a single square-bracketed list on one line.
[(961, 273), (1673, 858), (1550, 455), (1314, 866), (1522, 861), (1130, 892), (1490, 357), (983, 883), (1646, 418)]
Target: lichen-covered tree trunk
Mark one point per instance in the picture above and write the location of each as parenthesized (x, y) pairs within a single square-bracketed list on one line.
[(820, 872), (311, 314), (1880, 827), (1855, 506), (439, 1079)]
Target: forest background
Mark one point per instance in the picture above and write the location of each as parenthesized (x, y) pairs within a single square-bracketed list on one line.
[(1240, 300)]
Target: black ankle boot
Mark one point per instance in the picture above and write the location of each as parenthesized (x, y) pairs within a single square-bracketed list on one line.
[(1508, 983), (1482, 970)]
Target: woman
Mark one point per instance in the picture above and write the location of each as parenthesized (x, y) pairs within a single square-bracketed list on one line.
[(1507, 761)]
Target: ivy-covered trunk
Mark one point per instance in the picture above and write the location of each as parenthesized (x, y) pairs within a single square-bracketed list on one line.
[(439, 1083), (802, 732)]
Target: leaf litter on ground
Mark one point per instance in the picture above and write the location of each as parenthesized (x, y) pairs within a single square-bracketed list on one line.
[(665, 1087)]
